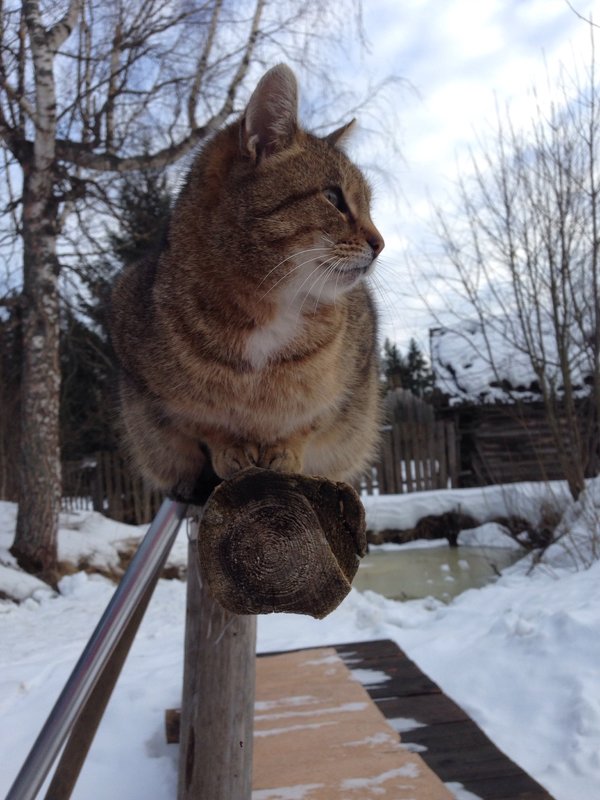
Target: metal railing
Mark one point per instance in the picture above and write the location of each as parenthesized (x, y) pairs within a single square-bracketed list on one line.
[(135, 587)]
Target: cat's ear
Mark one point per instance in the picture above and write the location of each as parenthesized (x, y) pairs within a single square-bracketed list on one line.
[(337, 137), (271, 118)]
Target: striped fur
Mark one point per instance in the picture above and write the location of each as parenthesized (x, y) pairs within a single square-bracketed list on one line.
[(251, 337)]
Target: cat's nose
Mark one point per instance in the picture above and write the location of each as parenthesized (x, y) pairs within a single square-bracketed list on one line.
[(375, 241)]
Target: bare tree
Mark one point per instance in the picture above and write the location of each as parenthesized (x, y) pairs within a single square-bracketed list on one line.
[(90, 89), (523, 246)]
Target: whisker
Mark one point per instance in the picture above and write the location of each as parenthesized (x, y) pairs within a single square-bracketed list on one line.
[(328, 272), (292, 255), (287, 274), (387, 307), (335, 291), (325, 278), (308, 277)]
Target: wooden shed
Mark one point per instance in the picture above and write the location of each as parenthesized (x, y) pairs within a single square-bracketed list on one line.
[(503, 428), (504, 443)]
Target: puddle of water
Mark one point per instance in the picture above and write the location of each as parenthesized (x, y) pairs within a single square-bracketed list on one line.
[(441, 572)]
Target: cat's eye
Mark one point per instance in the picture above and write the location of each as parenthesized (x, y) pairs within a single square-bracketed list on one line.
[(336, 197)]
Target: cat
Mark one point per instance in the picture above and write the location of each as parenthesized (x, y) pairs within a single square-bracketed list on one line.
[(250, 339)]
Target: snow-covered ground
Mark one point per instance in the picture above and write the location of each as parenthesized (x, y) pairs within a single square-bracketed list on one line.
[(522, 655)]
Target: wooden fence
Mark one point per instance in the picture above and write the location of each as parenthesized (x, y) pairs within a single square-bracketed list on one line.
[(105, 483), (418, 452)]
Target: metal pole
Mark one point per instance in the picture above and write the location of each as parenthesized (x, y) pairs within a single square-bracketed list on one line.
[(148, 560)]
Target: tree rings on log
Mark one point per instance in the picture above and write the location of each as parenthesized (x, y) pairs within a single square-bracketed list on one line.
[(272, 541)]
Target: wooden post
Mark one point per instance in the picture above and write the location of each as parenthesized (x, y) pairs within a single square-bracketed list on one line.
[(217, 714), (267, 541)]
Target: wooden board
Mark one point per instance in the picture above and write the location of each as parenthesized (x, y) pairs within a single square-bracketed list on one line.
[(449, 742), (318, 735)]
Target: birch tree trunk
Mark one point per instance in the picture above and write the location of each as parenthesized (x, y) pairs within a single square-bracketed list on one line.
[(39, 463)]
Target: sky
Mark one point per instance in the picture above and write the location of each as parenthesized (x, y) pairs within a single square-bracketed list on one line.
[(461, 60)]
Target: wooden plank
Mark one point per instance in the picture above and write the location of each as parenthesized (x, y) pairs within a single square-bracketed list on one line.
[(369, 480), (509, 787), (118, 471), (450, 743), (442, 457), (453, 453), (138, 508), (427, 709), (398, 460), (331, 736), (408, 464), (417, 451), (107, 480), (431, 453), (97, 493), (387, 471), (146, 500), (407, 485)]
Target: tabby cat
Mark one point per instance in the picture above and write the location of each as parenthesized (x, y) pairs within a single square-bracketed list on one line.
[(251, 337)]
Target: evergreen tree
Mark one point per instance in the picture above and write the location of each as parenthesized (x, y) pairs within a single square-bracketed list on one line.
[(87, 360), (420, 377), (392, 365), (410, 372)]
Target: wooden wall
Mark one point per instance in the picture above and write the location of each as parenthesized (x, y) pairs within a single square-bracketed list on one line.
[(417, 451), (106, 483), (506, 444)]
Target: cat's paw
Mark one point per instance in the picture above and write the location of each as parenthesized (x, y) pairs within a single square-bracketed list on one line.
[(229, 460), (280, 459)]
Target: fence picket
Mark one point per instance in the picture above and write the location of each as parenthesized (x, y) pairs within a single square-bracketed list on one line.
[(106, 483), (417, 452)]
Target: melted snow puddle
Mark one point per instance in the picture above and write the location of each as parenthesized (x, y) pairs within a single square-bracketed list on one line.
[(435, 571)]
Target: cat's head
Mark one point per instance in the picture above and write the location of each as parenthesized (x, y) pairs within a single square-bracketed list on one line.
[(306, 206)]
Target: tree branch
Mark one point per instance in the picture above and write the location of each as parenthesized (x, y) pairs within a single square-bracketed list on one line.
[(20, 99), (202, 64), (58, 33)]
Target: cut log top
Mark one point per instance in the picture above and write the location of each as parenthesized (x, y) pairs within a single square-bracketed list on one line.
[(272, 541)]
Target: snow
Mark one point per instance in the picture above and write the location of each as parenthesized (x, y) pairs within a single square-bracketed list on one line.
[(489, 535), (19, 586), (287, 792), (527, 500), (521, 655), (475, 363)]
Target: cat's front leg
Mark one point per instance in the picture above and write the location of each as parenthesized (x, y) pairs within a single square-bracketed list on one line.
[(235, 456)]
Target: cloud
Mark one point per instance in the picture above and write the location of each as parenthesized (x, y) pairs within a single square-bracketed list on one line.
[(468, 60)]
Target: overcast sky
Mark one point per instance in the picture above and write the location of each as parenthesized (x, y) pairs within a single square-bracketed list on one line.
[(464, 58)]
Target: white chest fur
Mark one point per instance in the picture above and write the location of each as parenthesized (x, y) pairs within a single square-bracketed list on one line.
[(265, 342)]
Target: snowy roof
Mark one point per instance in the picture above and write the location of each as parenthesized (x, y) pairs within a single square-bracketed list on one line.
[(477, 363)]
